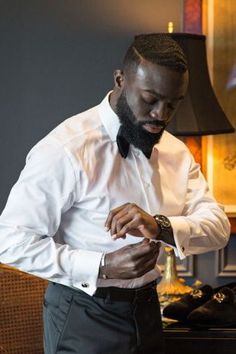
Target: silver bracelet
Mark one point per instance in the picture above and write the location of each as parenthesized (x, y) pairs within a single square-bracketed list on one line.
[(104, 276)]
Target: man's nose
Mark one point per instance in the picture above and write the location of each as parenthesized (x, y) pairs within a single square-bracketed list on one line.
[(159, 111)]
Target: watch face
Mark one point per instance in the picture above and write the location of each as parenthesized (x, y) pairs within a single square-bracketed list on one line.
[(163, 221)]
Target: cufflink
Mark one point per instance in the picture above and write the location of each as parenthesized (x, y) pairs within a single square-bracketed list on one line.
[(85, 285)]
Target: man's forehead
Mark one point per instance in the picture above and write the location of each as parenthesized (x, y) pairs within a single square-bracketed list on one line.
[(148, 69), (159, 79), (144, 70)]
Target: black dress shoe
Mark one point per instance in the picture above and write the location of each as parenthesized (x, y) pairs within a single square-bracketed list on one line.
[(220, 311), (180, 310), (227, 285)]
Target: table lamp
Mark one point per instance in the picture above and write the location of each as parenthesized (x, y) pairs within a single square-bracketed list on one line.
[(199, 113)]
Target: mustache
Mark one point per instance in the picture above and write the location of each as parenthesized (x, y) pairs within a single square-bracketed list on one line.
[(152, 122)]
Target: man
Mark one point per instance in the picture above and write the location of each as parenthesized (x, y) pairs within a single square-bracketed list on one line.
[(95, 200)]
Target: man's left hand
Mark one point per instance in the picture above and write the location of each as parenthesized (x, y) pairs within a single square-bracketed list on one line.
[(130, 218)]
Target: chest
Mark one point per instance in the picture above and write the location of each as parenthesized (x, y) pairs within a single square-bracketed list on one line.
[(156, 185)]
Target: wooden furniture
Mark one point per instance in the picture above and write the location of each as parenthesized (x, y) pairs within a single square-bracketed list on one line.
[(21, 299), (181, 340)]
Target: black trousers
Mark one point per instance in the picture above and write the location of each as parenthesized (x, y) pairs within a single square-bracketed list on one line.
[(113, 321)]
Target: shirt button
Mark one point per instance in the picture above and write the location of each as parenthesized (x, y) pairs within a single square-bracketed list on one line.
[(85, 285)]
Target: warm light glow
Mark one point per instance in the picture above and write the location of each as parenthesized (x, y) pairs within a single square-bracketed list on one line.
[(170, 27), (210, 162)]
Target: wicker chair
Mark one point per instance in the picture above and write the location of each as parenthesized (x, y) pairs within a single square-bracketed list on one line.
[(21, 298)]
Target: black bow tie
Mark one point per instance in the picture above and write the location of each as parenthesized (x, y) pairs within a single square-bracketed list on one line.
[(123, 145)]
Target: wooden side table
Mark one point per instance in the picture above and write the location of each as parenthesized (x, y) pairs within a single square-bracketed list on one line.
[(181, 340)]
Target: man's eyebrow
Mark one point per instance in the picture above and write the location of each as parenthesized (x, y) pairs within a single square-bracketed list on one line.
[(162, 96)]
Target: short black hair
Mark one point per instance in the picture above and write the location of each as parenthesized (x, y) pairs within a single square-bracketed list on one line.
[(158, 48)]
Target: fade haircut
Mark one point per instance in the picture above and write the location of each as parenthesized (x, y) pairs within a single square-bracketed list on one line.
[(158, 48)]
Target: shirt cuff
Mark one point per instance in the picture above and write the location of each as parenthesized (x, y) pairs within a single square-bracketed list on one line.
[(181, 231), (85, 269)]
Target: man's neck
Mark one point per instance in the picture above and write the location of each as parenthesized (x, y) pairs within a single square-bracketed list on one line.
[(113, 97)]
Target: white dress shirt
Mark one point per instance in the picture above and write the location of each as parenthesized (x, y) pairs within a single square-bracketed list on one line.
[(53, 222)]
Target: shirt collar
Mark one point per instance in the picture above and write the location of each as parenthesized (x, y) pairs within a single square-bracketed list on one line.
[(109, 118)]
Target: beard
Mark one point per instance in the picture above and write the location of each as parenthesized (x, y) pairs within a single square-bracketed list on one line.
[(133, 130)]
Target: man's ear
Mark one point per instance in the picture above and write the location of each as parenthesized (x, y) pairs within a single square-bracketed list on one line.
[(119, 78)]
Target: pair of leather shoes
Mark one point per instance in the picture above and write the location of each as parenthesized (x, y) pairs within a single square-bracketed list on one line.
[(180, 309), (220, 311), (205, 307)]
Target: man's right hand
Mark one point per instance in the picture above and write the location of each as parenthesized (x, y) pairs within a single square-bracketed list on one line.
[(131, 261)]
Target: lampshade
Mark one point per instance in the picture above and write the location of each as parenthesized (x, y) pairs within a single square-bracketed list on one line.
[(200, 112)]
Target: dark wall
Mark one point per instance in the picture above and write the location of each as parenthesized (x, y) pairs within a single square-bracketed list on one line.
[(57, 58)]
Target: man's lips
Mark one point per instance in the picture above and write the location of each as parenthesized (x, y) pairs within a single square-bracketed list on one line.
[(152, 128)]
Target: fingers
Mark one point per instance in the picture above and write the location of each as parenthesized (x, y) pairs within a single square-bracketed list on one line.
[(112, 214), (143, 250), (120, 225), (146, 261), (125, 219), (132, 261)]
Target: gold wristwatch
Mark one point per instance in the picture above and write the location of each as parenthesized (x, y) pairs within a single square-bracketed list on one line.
[(163, 223)]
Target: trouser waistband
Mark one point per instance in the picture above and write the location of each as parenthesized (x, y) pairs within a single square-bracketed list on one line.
[(126, 294), (117, 294)]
